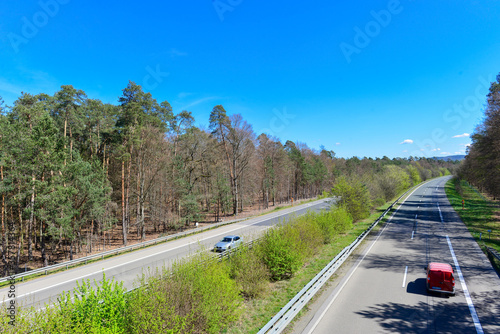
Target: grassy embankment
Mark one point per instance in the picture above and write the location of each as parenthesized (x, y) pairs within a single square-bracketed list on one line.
[(479, 215)]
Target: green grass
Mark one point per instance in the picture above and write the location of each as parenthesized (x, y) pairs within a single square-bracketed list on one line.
[(257, 312), (202, 310), (478, 214)]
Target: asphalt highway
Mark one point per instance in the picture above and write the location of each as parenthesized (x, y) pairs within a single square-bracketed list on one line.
[(128, 267), (385, 289)]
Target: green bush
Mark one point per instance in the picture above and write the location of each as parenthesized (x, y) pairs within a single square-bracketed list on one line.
[(414, 174), (198, 297), (280, 253), (30, 320), (354, 196), (342, 219), (306, 234), (326, 225), (378, 202), (152, 309), (249, 272), (100, 310), (89, 309)]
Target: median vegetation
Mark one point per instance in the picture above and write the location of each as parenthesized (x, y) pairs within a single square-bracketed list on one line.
[(203, 295), (199, 295)]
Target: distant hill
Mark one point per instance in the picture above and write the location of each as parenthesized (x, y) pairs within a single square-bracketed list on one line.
[(451, 158)]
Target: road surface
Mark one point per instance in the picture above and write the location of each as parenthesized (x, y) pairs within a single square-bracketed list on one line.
[(128, 267), (385, 292)]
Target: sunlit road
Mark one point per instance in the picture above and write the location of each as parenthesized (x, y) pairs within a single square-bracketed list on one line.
[(384, 291), (128, 267)]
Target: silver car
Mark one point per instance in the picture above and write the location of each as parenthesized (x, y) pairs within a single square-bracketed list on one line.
[(228, 242)]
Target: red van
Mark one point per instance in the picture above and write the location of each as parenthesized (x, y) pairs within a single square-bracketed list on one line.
[(440, 278)]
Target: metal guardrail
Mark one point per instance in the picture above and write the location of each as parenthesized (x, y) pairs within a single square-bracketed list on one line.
[(67, 264), (493, 253), (216, 257), (279, 322)]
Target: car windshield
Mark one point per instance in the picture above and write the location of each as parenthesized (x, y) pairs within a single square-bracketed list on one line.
[(226, 239)]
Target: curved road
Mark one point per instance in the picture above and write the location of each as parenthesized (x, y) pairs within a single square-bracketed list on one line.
[(128, 267), (384, 291)]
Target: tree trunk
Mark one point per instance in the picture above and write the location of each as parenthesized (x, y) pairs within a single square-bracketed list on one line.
[(138, 205), (124, 220), (71, 250), (141, 197), (127, 192), (91, 235), (30, 224), (42, 246), (235, 192)]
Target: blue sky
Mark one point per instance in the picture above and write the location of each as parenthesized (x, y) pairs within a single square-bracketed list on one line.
[(367, 78)]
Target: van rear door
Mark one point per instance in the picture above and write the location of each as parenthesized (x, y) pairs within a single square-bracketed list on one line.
[(436, 279), (448, 282)]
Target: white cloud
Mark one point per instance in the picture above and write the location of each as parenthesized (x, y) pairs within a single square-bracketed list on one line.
[(436, 149), (196, 102), (407, 141), (176, 53), (338, 144), (405, 151), (445, 153), (34, 82), (182, 95), (462, 135), (6, 86)]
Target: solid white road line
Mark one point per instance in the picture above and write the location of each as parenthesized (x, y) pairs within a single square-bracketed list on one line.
[(142, 258), (316, 323), (404, 278), (475, 318), (472, 310)]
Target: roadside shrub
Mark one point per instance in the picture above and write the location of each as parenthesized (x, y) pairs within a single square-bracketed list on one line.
[(341, 218), (99, 310), (414, 174), (198, 297), (280, 254), (30, 320), (326, 225), (354, 196), (152, 309), (306, 233), (249, 272), (394, 180), (378, 202)]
